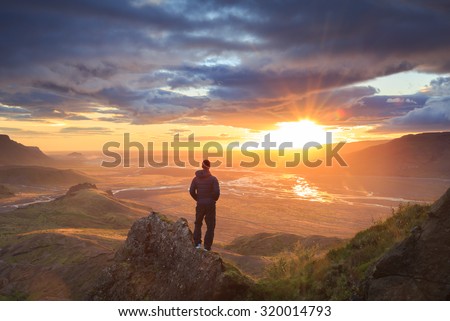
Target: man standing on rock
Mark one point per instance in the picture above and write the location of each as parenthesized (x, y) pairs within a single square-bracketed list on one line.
[(206, 191)]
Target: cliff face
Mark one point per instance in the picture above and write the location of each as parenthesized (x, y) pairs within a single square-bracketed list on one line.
[(159, 262), (419, 267)]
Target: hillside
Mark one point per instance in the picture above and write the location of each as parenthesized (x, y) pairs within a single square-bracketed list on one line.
[(405, 257), (421, 155), (270, 244), (56, 250), (13, 153), (41, 176), (253, 254)]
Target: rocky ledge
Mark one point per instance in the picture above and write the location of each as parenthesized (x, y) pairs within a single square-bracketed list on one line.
[(159, 262)]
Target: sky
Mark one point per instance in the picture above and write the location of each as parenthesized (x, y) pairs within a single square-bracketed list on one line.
[(76, 74)]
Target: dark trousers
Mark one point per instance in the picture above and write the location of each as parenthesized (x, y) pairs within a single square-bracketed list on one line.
[(208, 212)]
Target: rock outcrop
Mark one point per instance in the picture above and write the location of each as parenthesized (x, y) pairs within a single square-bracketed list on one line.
[(419, 267), (74, 189), (159, 262)]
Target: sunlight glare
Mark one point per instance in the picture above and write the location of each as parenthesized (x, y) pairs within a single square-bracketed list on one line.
[(299, 133)]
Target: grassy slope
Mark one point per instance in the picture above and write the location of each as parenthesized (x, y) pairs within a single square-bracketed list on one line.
[(269, 244), (303, 275), (52, 249), (252, 254)]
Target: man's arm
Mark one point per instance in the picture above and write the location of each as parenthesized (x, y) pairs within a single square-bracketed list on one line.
[(216, 189), (193, 189)]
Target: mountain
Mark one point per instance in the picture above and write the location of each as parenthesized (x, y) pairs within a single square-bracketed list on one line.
[(57, 250), (353, 147), (38, 175), (159, 262), (13, 153), (419, 267), (421, 155)]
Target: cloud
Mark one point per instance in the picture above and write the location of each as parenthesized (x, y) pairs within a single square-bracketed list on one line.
[(77, 117), (382, 106), (240, 63), (149, 106), (22, 132), (435, 115), (86, 130), (174, 131), (114, 119), (438, 87), (12, 110)]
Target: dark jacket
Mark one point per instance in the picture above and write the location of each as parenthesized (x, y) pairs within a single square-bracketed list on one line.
[(205, 187)]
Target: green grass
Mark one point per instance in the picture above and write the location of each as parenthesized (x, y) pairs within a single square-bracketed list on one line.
[(86, 209), (14, 296), (305, 275)]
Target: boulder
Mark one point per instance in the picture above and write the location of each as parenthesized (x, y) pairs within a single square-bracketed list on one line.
[(72, 190), (159, 262)]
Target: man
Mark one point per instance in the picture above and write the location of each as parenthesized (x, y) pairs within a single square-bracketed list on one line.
[(206, 191)]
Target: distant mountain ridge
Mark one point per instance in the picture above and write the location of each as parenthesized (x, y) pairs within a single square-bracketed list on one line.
[(420, 155), (14, 153), (39, 175)]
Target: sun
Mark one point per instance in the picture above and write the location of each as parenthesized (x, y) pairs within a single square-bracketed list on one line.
[(299, 133)]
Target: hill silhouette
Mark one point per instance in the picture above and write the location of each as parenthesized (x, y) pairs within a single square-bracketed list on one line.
[(421, 155), (14, 153)]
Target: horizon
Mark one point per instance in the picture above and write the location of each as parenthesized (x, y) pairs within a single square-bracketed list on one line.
[(222, 71)]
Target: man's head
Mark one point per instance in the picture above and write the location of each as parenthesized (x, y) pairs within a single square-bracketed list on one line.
[(206, 164)]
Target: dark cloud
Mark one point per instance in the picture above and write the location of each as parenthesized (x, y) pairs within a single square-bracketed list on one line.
[(12, 110), (77, 117), (149, 106), (435, 115), (382, 106), (114, 119)]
